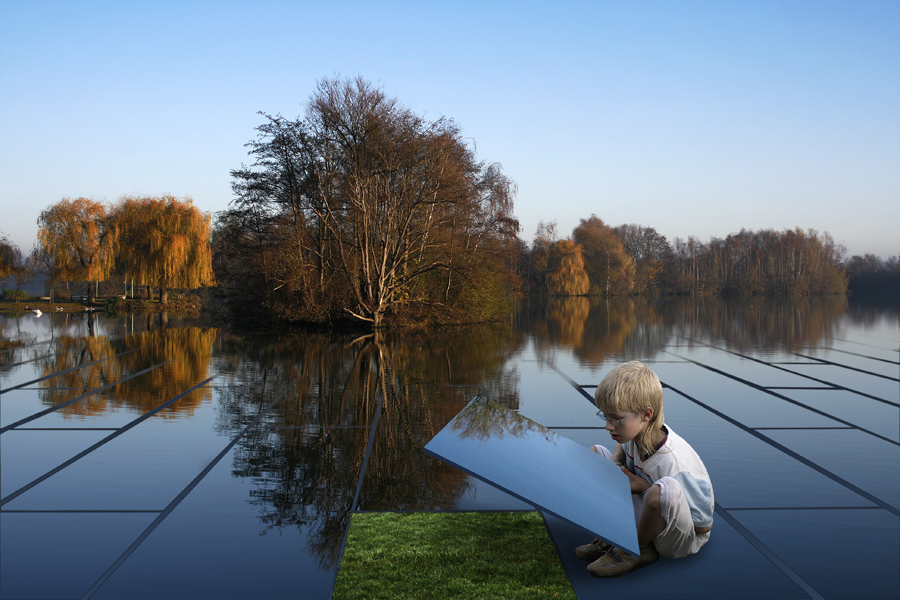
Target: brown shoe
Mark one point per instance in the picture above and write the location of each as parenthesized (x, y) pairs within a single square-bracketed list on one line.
[(592, 551), (617, 563)]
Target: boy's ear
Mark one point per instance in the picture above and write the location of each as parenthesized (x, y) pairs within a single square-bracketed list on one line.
[(648, 415)]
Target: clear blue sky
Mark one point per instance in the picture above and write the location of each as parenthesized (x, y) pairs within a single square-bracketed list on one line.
[(696, 118)]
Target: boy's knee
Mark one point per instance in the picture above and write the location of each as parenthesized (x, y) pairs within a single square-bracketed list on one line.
[(652, 497)]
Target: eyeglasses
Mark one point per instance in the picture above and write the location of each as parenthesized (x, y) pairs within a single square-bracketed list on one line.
[(616, 421)]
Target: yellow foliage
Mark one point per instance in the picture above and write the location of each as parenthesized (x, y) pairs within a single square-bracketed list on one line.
[(79, 237), (566, 276), (165, 242)]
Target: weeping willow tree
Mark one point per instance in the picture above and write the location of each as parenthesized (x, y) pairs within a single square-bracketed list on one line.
[(566, 274), (80, 239), (164, 242)]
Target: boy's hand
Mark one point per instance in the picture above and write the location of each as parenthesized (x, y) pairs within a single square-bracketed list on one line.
[(639, 485)]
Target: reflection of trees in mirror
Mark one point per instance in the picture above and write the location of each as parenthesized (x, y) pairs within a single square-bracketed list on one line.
[(186, 352), (306, 460), (483, 419)]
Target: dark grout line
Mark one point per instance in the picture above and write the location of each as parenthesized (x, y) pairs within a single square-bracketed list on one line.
[(835, 364), (108, 438), (69, 370), (798, 387), (65, 429), (40, 389), (795, 455), (890, 362), (24, 362), (803, 428), (317, 427), (578, 388), (184, 493), (835, 386), (768, 553), (805, 508), (20, 511), (354, 507), (776, 366), (793, 362), (869, 345), (362, 471), (56, 407), (442, 511), (796, 403), (25, 346)]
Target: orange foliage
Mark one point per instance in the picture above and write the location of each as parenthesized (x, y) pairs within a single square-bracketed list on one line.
[(80, 239), (566, 275), (165, 242)]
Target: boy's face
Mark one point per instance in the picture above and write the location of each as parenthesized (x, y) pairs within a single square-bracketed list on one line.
[(630, 426)]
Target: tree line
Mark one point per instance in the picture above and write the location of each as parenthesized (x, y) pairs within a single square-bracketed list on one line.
[(161, 242), (636, 260)]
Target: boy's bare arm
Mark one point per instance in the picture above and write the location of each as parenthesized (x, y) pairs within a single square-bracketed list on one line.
[(618, 455), (639, 485)]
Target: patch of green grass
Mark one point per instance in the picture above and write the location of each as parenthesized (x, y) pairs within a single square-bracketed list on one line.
[(450, 555)]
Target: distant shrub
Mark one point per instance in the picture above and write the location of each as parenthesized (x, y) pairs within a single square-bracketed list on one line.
[(112, 304), (15, 295)]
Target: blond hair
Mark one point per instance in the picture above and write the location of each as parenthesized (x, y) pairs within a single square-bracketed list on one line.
[(633, 387)]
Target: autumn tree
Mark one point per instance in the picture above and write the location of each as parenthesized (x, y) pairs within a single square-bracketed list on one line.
[(688, 272), (790, 262), (539, 256), (365, 207), (164, 242), (649, 251), (80, 239), (609, 267), (566, 274), (9, 257)]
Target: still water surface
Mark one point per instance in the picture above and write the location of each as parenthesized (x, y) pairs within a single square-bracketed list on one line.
[(136, 446)]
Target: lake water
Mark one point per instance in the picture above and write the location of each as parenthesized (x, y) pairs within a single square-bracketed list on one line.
[(153, 457)]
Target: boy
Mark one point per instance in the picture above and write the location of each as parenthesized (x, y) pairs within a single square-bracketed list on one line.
[(670, 487)]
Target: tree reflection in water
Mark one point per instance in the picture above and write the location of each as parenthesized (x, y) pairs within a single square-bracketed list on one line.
[(15, 345), (594, 328), (760, 323), (598, 329), (186, 352)]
